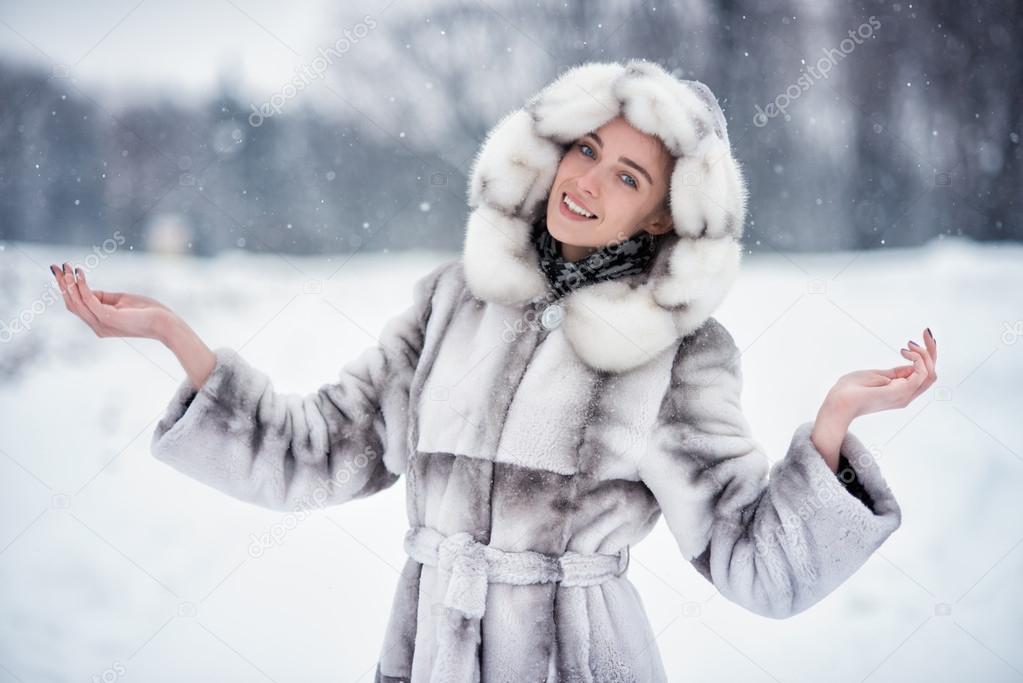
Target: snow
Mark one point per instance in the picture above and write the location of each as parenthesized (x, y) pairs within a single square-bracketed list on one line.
[(114, 565)]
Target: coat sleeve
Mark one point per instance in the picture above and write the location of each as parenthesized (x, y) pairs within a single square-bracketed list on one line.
[(775, 545), (344, 441)]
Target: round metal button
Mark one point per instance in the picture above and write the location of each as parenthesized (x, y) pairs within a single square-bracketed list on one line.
[(552, 316)]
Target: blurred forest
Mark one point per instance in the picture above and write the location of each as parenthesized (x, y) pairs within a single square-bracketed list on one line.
[(912, 134)]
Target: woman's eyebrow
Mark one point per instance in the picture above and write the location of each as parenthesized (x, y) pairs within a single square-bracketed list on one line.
[(624, 160)]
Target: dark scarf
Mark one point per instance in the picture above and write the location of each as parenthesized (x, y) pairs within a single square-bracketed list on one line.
[(606, 263)]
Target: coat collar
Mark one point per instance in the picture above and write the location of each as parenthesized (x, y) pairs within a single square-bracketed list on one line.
[(620, 324)]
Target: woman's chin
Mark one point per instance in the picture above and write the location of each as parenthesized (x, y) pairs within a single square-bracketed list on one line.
[(577, 233)]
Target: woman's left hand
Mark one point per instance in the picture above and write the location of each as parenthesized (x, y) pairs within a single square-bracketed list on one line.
[(870, 391)]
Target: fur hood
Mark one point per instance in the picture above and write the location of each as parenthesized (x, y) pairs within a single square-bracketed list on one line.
[(616, 325)]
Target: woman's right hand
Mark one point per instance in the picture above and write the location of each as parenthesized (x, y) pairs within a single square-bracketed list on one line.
[(112, 314)]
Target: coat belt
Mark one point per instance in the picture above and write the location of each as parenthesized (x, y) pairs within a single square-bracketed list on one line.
[(473, 565)]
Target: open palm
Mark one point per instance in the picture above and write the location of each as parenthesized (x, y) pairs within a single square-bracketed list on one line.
[(110, 314), (870, 391)]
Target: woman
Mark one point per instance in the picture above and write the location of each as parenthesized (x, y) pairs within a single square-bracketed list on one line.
[(548, 396)]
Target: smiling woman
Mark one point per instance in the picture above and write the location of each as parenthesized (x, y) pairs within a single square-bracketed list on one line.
[(533, 463), (612, 184)]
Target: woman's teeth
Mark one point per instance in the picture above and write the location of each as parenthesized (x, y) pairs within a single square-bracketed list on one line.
[(575, 208)]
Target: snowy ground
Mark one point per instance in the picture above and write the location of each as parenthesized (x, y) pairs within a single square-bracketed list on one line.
[(113, 565)]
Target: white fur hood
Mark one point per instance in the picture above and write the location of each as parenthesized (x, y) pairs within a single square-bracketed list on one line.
[(615, 325)]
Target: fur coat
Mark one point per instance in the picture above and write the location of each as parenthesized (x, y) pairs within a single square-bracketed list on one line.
[(539, 439)]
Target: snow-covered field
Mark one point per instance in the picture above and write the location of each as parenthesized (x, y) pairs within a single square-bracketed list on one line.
[(113, 565)]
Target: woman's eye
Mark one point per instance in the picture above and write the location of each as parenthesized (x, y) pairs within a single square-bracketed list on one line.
[(631, 182)]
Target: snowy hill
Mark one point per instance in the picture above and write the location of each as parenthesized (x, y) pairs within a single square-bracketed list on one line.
[(113, 565)]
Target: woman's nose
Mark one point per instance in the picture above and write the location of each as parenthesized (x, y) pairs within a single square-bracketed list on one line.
[(589, 183)]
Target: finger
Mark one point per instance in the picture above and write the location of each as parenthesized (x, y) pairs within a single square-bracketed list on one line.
[(928, 362), (903, 371), (90, 300), (932, 345), (896, 372), (903, 388), (76, 298), (58, 274), (66, 280), (919, 368), (108, 298)]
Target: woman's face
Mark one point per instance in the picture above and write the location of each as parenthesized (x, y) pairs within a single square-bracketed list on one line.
[(620, 176)]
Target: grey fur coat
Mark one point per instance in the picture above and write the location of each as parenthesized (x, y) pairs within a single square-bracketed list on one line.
[(539, 439)]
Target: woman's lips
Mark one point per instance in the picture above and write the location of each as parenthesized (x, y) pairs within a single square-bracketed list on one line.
[(568, 213)]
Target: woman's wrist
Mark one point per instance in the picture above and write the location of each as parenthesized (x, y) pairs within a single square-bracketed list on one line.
[(195, 357), (165, 327), (829, 430)]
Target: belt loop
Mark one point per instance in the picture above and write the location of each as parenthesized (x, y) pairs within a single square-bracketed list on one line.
[(624, 557)]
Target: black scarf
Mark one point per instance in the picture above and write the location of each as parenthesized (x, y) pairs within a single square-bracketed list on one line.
[(606, 263)]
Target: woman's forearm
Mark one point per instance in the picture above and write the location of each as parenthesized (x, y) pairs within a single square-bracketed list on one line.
[(195, 357), (829, 430)]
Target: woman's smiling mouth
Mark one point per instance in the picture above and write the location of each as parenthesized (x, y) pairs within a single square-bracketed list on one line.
[(573, 210)]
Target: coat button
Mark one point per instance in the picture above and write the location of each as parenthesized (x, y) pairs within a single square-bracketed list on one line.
[(552, 316)]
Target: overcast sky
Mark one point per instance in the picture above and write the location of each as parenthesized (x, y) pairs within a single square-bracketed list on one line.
[(187, 45)]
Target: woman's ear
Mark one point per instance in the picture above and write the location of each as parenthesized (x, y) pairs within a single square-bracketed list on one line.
[(662, 221)]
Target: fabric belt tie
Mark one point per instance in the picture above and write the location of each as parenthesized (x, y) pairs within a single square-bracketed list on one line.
[(473, 565)]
